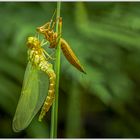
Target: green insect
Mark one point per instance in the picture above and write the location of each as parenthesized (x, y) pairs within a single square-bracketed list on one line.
[(35, 86)]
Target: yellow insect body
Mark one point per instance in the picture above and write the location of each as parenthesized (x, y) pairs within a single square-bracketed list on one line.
[(37, 57), (52, 36)]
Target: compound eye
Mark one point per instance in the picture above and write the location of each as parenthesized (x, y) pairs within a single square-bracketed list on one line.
[(31, 42)]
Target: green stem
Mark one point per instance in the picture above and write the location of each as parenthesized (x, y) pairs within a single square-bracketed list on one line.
[(54, 114)]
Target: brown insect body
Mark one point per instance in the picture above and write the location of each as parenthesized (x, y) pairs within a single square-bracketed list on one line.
[(49, 34), (52, 36), (70, 56)]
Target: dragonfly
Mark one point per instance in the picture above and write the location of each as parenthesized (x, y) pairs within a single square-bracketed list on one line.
[(38, 79), (52, 37)]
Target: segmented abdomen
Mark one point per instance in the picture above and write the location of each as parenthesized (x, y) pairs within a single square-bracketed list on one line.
[(42, 64), (50, 97), (71, 57)]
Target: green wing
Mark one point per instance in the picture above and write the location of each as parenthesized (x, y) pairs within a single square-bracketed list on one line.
[(33, 94)]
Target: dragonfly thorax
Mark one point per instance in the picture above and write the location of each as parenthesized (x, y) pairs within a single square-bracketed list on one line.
[(39, 60), (35, 56)]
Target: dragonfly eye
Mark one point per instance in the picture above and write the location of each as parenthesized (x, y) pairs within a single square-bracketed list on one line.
[(33, 42)]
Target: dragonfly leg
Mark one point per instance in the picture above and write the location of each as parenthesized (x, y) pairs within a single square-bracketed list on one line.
[(44, 43), (54, 22), (49, 56)]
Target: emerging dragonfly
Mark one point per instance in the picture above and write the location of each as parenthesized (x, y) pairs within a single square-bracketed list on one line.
[(51, 36), (35, 86)]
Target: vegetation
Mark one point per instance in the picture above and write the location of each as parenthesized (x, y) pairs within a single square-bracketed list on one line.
[(105, 37), (54, 115)]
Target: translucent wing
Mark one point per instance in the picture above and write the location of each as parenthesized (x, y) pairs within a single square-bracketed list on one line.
[(34, 91)]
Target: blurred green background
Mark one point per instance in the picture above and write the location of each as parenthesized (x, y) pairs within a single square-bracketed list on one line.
[(106, 38)]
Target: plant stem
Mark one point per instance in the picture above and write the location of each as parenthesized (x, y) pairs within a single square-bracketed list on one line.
[(54, 114)]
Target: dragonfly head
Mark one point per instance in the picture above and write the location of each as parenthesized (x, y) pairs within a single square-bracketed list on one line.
[(33, 42)]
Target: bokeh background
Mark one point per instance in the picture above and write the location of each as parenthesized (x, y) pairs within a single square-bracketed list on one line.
[(105, 36)]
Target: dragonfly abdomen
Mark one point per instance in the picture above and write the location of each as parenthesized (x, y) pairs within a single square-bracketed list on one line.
[(50, 97)]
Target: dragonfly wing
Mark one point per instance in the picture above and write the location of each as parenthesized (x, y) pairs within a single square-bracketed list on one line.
[(34, 91)]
